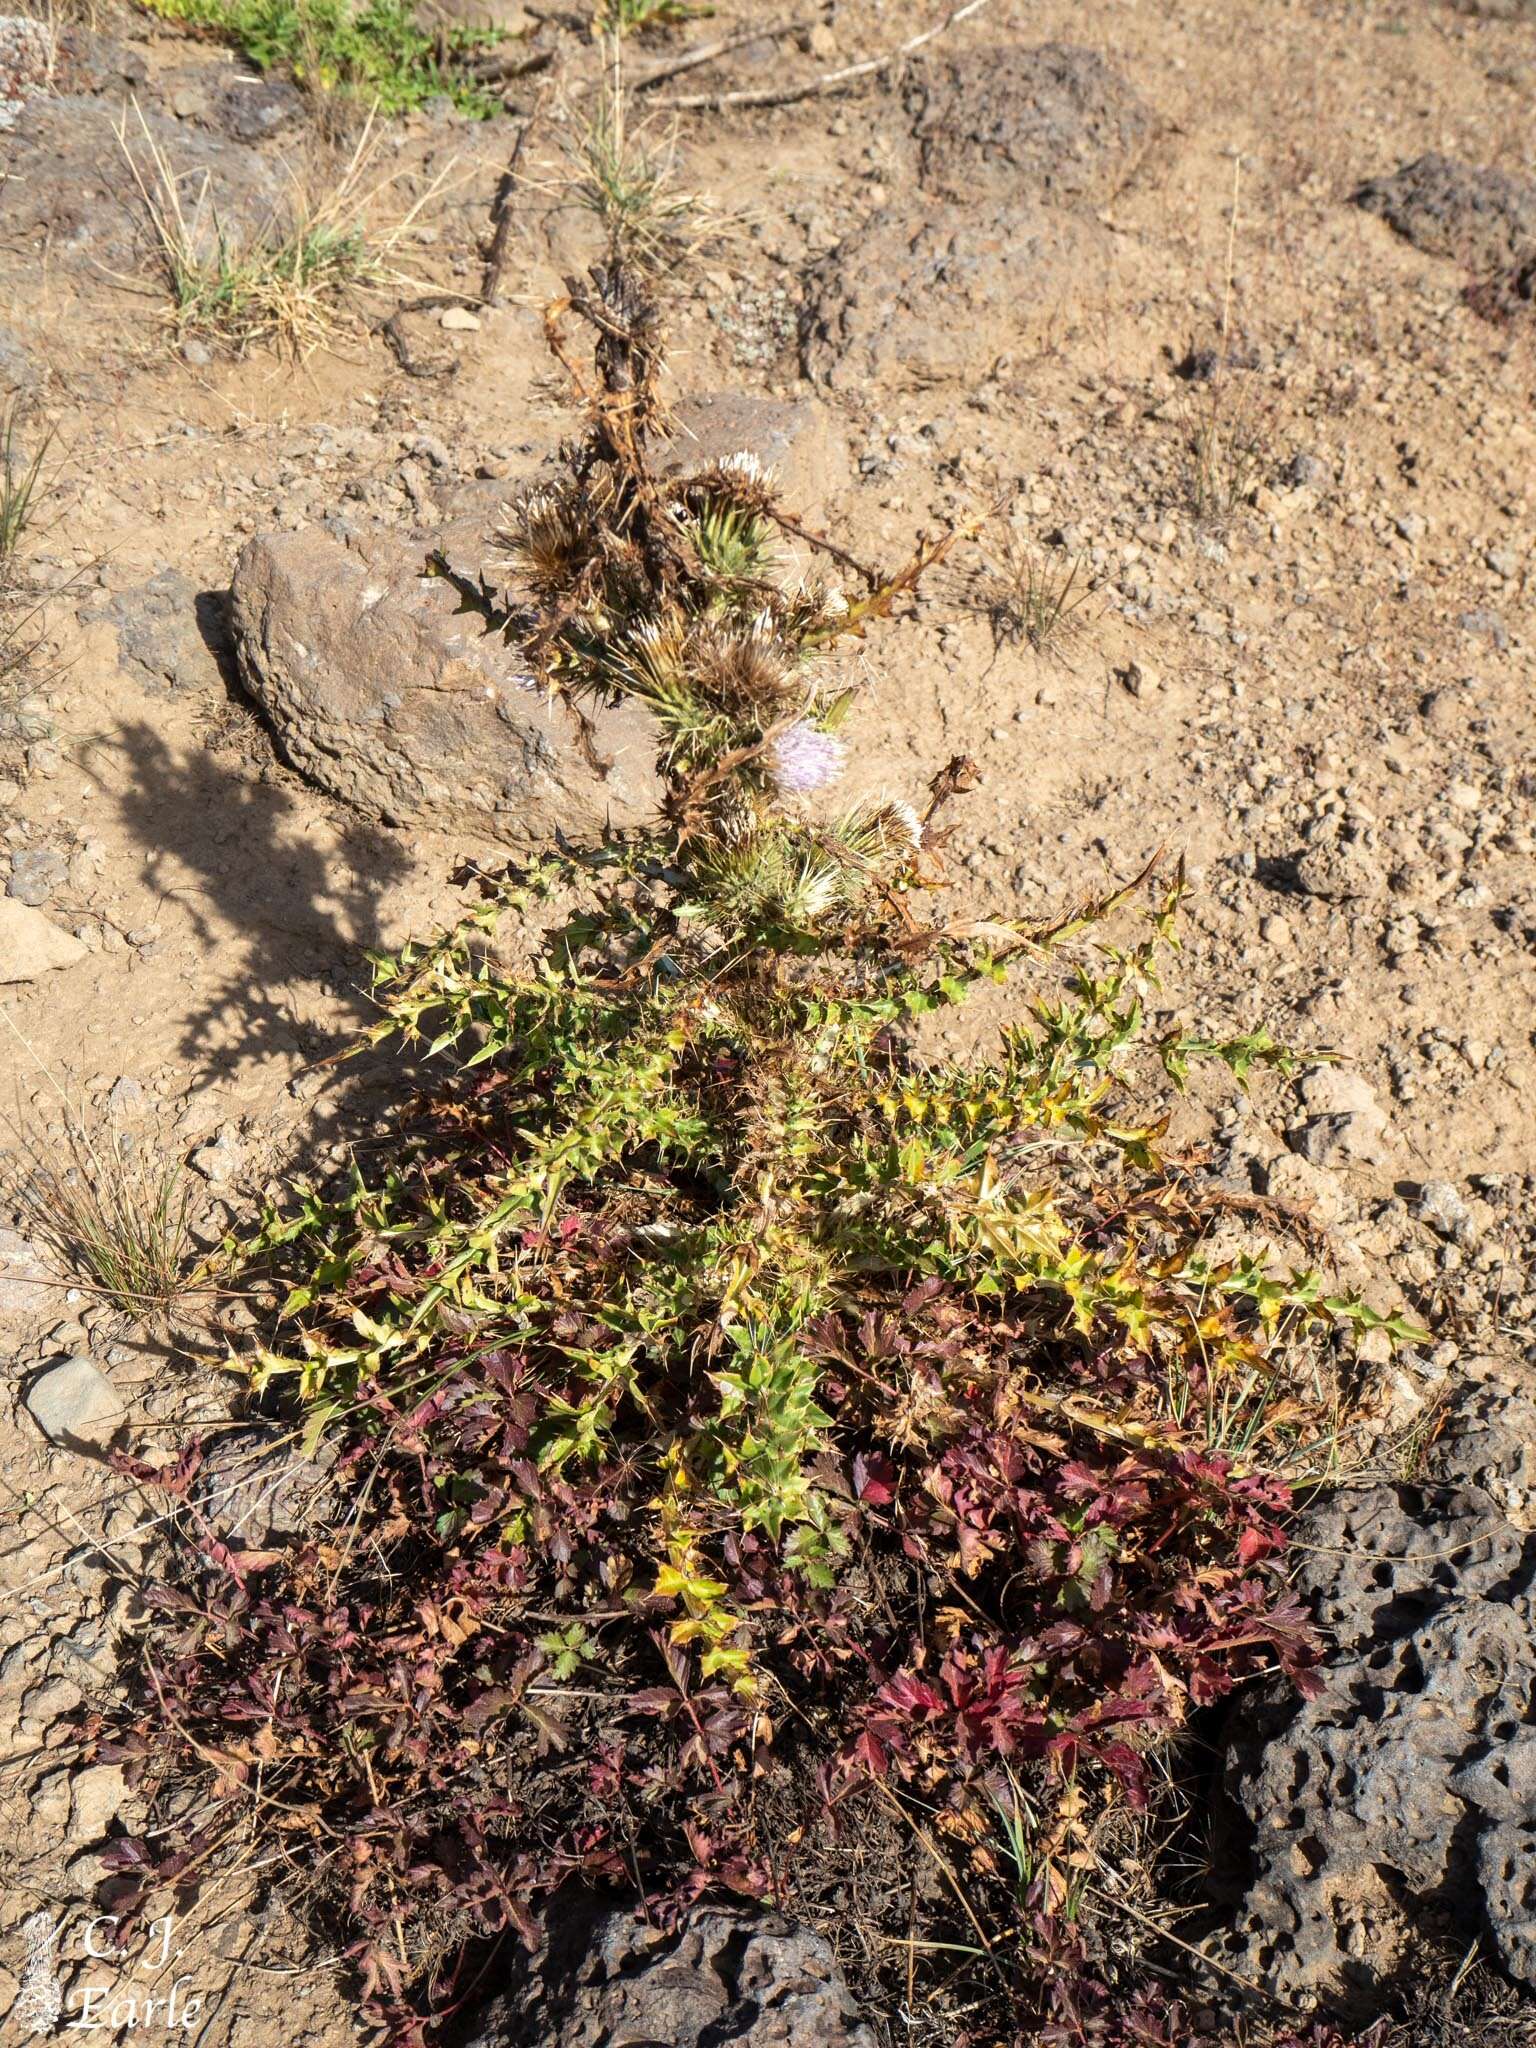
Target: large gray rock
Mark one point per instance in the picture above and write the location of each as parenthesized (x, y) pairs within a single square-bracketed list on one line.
[(31, 944), (1054, 123), (384, 692), (722, 1980), (1484, 219), (797, 440), (69, 185), (74, 1404), (1404, 1794), (936, 296)]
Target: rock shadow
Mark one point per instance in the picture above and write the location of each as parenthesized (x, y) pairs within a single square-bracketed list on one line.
[(280, 913)]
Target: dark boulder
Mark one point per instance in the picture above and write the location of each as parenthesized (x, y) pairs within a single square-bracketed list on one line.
[(724, 1979), (1054, 124)]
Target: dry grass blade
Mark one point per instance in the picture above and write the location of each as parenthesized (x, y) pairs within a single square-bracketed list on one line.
[(829, 81), (1223, 437), (633, 17), (21, 637), (722, 46), (1033, 594), (113, 1220), (292, 285), (20, 477)]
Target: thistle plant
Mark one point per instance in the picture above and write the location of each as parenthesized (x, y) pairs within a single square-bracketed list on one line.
[(765, 1454)]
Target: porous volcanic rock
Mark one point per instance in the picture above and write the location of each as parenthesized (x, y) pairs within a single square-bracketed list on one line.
[(1053, 123), (722, 1980), (1487, 1439), (26, 60), (912, 299), (1484, 219), (68, 183), (1401, 1799), (255, 1490), (382, 691)]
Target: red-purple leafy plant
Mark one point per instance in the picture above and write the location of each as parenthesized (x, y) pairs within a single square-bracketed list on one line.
[(767, 1460)]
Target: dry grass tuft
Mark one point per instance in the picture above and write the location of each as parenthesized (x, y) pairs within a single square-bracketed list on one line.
[(626, 175), (21, 486), (629, 184), (20, 481), (1224, 450), (112, 1216), (1032, 593), (298, 284)]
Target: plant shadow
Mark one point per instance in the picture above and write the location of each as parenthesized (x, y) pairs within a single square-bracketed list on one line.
[(284, 898)]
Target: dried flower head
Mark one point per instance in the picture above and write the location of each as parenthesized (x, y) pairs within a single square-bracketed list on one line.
[(544, 537), (743, 668)]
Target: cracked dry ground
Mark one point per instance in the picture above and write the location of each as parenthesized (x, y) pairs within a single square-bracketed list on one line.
[(1323, 701)]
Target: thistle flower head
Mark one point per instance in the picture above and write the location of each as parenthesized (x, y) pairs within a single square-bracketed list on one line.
[(544, 536), (742, 667), (884, 834), (737, 479), (901, 821), (806, 759)]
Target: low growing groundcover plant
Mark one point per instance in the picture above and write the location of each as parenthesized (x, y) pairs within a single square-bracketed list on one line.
[(767, 1462), (377, 53)]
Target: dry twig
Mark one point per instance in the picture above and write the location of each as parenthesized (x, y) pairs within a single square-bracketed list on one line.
[(706, 53), (501, 213), (713, 102)]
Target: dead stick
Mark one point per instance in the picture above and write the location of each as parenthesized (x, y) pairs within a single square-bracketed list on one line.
[(713, 102), (705, 53), (505, 70), (501, 213), (819, 540)]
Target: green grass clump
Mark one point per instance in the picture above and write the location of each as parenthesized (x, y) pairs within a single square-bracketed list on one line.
[(270, 292), (112, 1215), (629, 185), (20, 481), (378, 54), (632, 17), (295, 283)]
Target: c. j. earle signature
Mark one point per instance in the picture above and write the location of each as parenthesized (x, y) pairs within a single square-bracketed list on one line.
[(134, 1997)]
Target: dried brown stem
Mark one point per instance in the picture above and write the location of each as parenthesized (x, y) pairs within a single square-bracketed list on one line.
[(501, 214), (706, 53), (714, 102)]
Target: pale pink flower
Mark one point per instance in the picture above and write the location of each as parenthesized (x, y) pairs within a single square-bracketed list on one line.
[(806, 759)]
